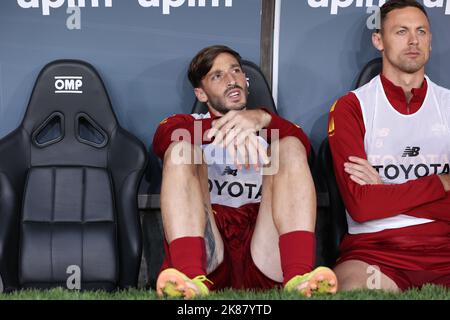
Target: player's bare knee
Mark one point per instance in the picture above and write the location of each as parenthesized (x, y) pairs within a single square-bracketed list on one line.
[(291, 147), (182, 155), (292, 154)]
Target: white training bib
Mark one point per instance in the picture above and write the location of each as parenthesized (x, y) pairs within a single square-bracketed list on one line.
[(229, 186), (403, 147)]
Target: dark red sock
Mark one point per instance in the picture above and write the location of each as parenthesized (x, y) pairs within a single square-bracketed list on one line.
[(297, 252), (188, 255)]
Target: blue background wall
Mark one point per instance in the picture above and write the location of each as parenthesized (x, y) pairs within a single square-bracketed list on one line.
[(141, 54), (321, 55)]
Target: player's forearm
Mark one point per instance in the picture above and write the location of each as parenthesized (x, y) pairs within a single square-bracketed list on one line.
[(378, 201), (372, 202), (176, 130), (437, 210)]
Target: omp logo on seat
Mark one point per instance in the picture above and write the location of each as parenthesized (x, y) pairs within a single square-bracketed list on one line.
[(68, 84), (411, 152)]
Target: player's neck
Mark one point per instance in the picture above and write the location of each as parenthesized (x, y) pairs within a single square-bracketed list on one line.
[(214, 112), (407, 81)]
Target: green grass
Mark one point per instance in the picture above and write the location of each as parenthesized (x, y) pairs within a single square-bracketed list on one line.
[(429, 292)]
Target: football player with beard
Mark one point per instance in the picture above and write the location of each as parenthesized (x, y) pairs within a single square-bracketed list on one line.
[(234, 221), (390, 141)]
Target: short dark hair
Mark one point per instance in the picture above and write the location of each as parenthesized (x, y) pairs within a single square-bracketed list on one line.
[(391, 5), (202, 63)]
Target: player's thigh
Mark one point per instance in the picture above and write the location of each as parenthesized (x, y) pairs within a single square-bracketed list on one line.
[(356, 274)]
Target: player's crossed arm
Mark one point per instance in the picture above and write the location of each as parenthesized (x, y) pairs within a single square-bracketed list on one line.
[(362, 172)]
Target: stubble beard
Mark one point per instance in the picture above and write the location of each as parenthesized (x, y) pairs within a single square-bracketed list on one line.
[(219, 104), (411, 67)]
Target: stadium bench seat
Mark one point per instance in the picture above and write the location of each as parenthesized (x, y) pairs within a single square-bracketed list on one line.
[(68, 188)]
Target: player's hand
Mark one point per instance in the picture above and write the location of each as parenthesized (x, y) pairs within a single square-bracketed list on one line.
[(362, 172), (247, 150), (237, 132), (244, 148), (236, 121)]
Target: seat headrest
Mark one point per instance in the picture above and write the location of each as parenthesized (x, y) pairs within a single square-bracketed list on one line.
[(370, 70), (259, 90), (71, 87), (69, 118)]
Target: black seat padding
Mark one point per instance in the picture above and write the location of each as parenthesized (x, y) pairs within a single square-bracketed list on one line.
[(338, 221), (370, 70), (68, 187), (337, 224), (259, 93)]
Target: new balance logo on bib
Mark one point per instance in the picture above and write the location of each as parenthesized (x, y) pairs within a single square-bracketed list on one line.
[(411, 152)]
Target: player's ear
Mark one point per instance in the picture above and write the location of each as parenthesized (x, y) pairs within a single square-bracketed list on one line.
[(201, 95), (377, 40)]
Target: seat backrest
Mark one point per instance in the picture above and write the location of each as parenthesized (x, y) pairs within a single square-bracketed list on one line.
[(337, 217), (69, 116), (336, 222), (78, 189), (370, 70), (259, 94)]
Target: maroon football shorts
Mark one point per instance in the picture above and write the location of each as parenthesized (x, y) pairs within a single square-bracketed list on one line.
[(410, 256), (237, 271)]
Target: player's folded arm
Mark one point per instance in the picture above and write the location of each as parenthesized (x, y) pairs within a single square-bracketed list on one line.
[(370, 202)]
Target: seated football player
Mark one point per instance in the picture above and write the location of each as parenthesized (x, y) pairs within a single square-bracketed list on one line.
[(390, 142), (237, 198)]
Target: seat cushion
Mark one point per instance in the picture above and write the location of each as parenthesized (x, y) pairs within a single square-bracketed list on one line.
[(68, 221)]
